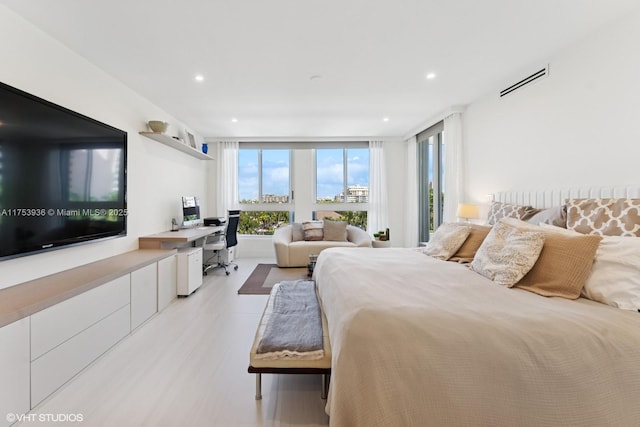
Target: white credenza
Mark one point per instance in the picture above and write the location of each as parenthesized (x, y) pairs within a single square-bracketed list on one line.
[(14, 371), (189, 270), (67, 320)]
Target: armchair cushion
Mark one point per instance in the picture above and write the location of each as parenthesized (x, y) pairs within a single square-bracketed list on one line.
[(297, 232), (335, 231)]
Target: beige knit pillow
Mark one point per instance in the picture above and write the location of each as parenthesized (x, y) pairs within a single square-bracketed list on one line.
[(468, 250), (447, 240), (507, 253), (564, 263)]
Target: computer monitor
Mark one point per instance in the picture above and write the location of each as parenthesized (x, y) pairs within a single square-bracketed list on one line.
[(190, 211)]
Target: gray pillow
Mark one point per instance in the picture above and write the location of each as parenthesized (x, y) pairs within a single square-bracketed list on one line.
[(312, 230), (554, 216), (297, 233), (335, 231)]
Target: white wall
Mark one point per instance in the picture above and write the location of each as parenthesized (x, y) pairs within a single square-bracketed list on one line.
[(578, 127), (157, 175)]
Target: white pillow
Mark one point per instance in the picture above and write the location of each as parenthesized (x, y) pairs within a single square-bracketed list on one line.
[(507, 253), (615, 276), (446, 240)]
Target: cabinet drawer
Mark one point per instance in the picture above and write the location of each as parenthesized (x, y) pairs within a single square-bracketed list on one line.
[(14, 370), (144, 294), (59, 365), (167, 277), (195, 269), (56, 324)]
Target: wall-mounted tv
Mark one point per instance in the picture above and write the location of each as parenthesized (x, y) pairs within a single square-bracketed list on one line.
[(62, 176)]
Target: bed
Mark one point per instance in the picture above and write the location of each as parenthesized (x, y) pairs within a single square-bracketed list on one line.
[(431, 342)]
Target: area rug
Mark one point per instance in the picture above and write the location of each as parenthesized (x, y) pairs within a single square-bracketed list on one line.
[(264, 276)]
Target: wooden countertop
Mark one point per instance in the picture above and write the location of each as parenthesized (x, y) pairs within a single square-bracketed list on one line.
[(167, 239), (22, 300)]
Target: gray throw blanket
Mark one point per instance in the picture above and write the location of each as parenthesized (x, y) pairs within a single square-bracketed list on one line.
[(295, 323)]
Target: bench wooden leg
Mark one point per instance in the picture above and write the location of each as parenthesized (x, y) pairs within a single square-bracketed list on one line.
[(258, 386)]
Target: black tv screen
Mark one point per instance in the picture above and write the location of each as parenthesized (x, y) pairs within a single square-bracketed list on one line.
[(62, 176)]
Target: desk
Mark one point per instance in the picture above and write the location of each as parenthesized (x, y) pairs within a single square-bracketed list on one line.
[(170, 239)]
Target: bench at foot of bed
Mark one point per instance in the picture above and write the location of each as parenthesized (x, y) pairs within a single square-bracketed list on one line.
[(290, 363)]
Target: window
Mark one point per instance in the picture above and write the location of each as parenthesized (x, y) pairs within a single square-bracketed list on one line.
[(342, 181), (331, 181), (431, 153), (264, 177)]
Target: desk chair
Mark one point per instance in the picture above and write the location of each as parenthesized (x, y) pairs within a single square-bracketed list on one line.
[(219, 242)]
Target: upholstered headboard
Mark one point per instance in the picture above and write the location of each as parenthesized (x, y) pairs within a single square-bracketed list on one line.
[(549, 198)]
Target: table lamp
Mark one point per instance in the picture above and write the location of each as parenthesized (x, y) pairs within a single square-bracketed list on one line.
[(467, 211)]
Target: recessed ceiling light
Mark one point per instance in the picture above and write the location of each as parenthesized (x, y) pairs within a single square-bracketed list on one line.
[(234, 120), (199, 78), (385, 119), (431, 76)]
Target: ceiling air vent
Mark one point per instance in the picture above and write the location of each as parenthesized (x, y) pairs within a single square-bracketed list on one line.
[(527, 80)]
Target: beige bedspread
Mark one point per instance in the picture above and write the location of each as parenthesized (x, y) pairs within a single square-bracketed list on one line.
[(422, 342)]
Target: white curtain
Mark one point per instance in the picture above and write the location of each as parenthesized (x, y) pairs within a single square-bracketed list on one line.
[(453, 170), (227, 195), (411, 191), (377, 216)]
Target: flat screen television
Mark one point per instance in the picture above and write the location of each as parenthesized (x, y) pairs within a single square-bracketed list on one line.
[(62, 176)]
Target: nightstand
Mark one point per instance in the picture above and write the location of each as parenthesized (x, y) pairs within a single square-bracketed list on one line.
[(381, 244)]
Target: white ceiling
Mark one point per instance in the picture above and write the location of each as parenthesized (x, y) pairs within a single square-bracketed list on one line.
[(258, 56)]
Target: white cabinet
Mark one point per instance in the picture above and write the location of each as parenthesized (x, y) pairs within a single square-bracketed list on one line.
[(167, 282), (68, 336), (56, 324), (14, 371), (87, 312), (189, 270), (144, 294), (59, 365)]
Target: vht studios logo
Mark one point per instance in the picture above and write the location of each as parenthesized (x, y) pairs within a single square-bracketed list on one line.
[(45, 418)]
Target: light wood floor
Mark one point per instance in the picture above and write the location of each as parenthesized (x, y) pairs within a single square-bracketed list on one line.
[(187, 366)]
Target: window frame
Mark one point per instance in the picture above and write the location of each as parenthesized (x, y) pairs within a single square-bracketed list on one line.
[(424, 217)]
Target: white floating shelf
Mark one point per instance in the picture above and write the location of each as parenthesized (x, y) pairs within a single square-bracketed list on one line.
[(178, 145)]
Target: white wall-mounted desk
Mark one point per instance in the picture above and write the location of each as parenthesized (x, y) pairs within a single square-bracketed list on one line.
[(172, 239)]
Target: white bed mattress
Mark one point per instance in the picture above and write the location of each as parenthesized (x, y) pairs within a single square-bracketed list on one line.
[(418, 341)]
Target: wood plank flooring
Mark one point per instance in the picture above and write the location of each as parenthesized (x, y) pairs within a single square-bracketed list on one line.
[(187, 366)]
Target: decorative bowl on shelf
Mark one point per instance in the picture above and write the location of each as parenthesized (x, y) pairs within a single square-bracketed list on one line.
[(158, 126)]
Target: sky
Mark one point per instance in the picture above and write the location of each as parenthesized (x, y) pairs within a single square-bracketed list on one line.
[(275, 171)]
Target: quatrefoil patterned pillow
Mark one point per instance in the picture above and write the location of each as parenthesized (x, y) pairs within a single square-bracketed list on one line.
[(604, 217), (501, 210)]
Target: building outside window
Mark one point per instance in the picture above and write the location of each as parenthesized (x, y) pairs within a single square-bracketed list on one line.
[(264, 182), (342, 185)]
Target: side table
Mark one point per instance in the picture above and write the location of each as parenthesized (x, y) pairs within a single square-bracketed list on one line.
[(381, 244)]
